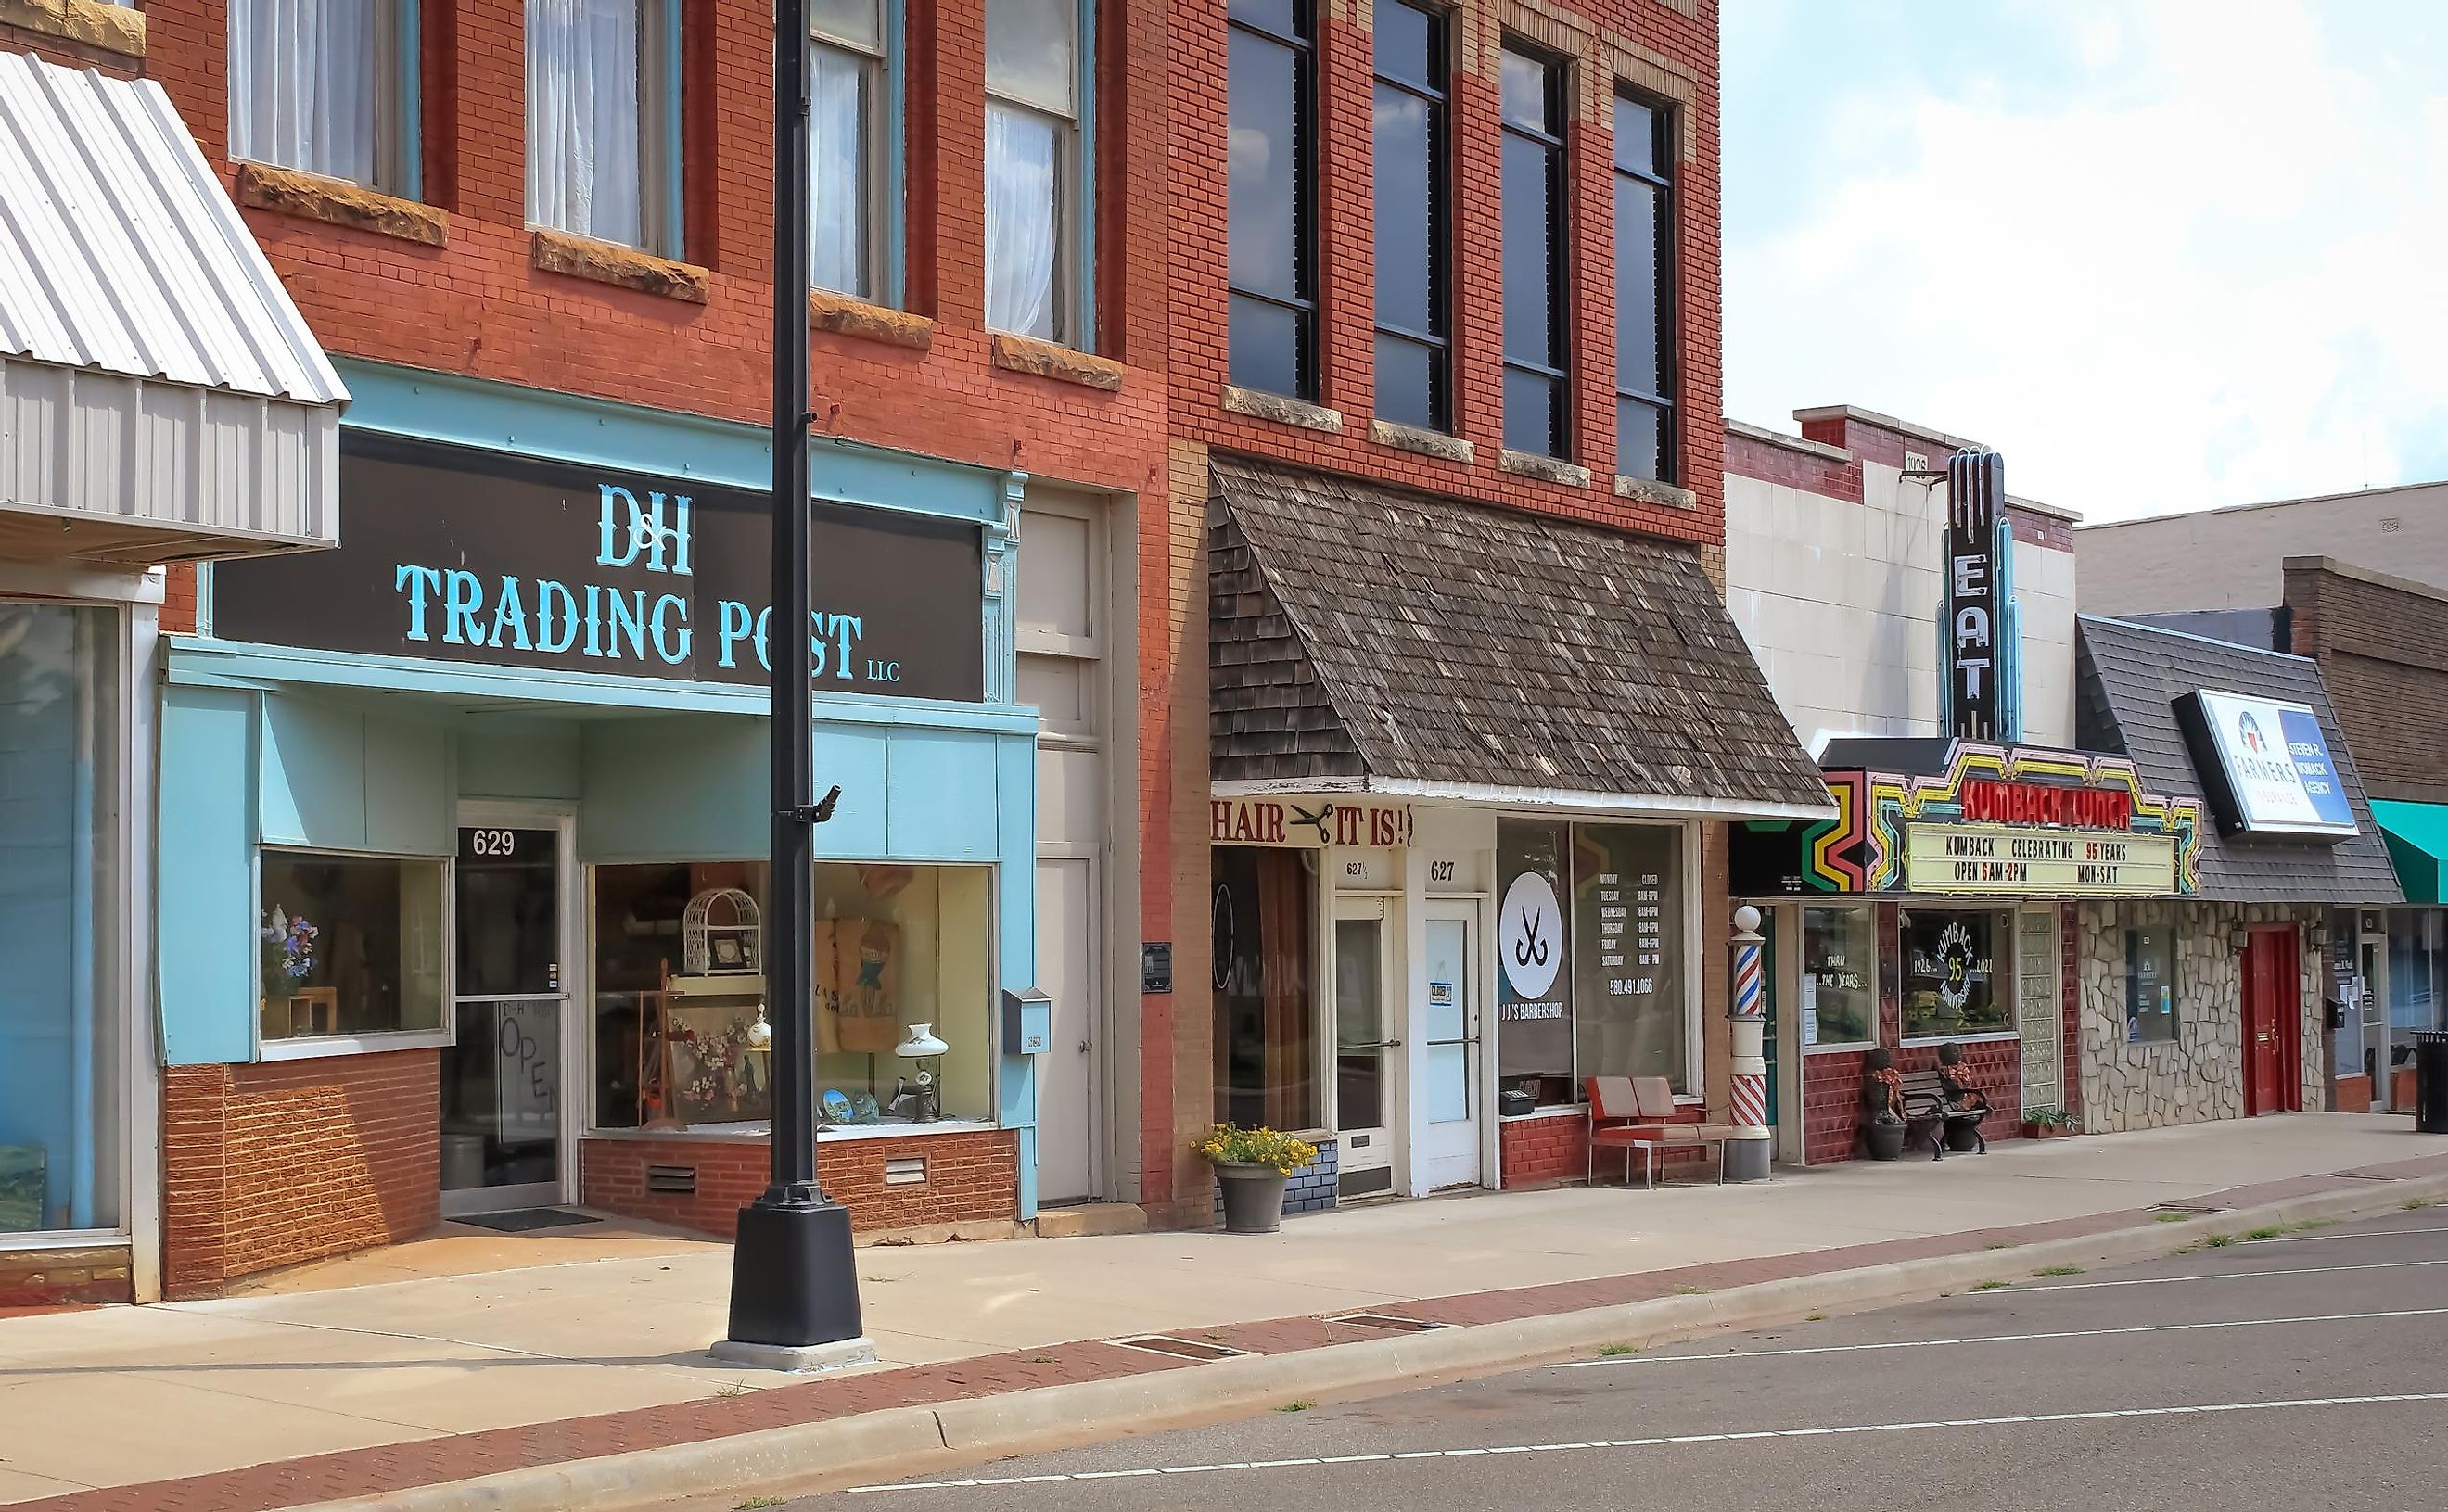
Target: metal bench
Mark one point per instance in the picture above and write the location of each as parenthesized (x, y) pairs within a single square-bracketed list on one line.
[(1928, 1115)]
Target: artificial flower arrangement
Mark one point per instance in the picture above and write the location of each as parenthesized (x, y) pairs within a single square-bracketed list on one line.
[(288, 951), (1225, 1144)]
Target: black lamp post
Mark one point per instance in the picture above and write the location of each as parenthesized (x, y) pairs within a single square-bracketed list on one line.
[(793, 1281)]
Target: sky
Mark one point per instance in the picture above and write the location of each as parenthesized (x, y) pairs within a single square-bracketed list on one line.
[(2163, 254)]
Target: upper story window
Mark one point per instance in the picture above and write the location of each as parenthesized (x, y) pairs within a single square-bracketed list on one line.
[(1644, 307), (1535, 391), (1035, 175), (850, 89), (603, 120), (326, 87), (1270, 198), (1414, 332)]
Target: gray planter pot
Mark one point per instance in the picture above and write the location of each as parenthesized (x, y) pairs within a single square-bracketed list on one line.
[(1253, 1197), (1886, 1141)]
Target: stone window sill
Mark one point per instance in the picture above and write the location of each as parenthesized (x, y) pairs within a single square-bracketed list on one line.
[(1263, 406), (336, 201), (88, 23), (1551, 470), (841, 316), (1427, 443), (1044, 359), (1648, 490), (622, 267)]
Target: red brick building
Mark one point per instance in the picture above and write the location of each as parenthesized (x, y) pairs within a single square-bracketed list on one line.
[(1446, 398), (447, 282)]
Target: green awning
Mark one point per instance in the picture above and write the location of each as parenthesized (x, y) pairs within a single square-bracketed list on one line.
[(2417, 843)]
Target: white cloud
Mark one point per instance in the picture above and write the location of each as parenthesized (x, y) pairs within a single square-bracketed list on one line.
[(2212, 269)]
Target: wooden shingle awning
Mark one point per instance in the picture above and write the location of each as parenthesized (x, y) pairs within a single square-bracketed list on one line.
[(1366, 639)]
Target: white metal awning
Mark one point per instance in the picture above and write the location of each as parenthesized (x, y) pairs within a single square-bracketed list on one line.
[(161, 398)]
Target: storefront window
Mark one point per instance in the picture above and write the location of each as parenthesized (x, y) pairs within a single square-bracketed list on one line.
[(1628, 998), (2417, 970), (347, 944), (2151, 984), (679, 953), (1951, 975), (1534, 1050), (1266, 1045), (59, 1061), (1840, 979)]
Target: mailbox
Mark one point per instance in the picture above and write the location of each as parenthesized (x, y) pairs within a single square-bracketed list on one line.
[(1027, 1022)]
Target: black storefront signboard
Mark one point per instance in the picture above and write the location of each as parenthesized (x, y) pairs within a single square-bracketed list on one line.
[(449, 554)]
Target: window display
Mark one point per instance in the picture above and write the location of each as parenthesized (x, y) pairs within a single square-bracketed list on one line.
[(347, 944), (58, 1035), (1628, 1017), (1266, 1036), (1534, 997), (1840, 958), (684, 1022), (1951, 974), (2151, 984)]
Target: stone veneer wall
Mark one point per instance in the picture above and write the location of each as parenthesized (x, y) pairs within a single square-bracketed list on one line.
[(2198, 1076)]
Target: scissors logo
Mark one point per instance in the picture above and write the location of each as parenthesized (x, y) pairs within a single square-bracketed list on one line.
[(1533, 929)]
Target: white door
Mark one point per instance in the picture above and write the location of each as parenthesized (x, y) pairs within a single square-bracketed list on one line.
[(1368, 1046), (1448, 1023), (1068, 1092)]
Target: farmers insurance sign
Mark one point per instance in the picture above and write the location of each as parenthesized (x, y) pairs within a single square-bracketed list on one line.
[(454, 555), (2266, 765)]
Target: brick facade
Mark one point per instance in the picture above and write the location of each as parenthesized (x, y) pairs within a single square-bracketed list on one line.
[(270, 1165), (925, 379), (2382, 646), (1667, 52), (968, 1177)]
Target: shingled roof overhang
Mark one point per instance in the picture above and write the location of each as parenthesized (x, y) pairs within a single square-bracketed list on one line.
[(2128, 678), (1368, 638)]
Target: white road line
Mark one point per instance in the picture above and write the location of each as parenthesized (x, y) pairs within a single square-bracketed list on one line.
[(2376, 1234), (2226, 1275), (1994, 1338), (2100, 1415)]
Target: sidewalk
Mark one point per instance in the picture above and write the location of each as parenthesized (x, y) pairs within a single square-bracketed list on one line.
[(591, 1344)]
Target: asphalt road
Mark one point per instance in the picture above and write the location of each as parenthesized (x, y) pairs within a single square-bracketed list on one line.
[(2304, 1370)]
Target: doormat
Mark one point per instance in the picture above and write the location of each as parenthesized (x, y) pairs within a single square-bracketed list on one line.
[(526, 1221)]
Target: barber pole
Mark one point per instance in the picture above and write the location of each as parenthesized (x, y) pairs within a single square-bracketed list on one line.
[(1747, 1153)]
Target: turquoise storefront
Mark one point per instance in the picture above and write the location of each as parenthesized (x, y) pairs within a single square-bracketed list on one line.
[(460, 860)]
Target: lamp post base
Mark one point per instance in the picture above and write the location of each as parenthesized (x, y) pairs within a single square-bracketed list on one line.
[(815, 1357), (794, 1284)]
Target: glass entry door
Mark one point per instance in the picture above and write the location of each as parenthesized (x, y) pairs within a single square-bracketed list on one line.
[(1368, 1052), (1450, 1092), (502, 1075)]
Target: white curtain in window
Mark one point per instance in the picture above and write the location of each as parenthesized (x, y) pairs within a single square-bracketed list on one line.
[(301, 78), (1022, 154), (582, 119), (837, 158)]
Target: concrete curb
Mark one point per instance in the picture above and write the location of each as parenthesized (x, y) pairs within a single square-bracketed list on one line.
[(897, 1443)]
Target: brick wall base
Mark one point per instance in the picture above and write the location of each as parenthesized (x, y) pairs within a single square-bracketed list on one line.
[(969, 1176), (1832, 1095), (1542, 1152), (38, 1278), (2354, 1094), (265, 1166)]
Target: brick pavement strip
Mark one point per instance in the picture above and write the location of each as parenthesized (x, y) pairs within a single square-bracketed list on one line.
[(460, 1457)]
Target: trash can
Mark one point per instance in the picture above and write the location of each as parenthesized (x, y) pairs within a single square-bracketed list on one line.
[(2431, 1081)]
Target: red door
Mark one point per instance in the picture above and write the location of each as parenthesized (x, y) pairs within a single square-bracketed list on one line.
[(2273, 1023)]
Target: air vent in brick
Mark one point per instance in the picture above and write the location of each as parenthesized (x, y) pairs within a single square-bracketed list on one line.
[(671, 1178)]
